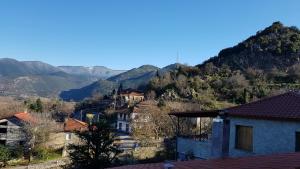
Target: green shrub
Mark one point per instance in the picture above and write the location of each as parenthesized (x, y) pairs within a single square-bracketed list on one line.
[(5, 155), (17, 152), (161, 103), (41, 154)]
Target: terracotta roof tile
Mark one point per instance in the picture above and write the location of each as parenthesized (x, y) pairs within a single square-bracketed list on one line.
[(284, 106), (75, 125), (281, 161), (24, 116), (132, 92)]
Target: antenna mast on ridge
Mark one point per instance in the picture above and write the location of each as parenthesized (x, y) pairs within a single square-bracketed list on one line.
[(177, 58)]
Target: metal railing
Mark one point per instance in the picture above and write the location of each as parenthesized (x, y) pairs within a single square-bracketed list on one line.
[(200, 137)]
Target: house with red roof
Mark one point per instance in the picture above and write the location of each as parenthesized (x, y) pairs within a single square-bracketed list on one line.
[(264, 127), (11, 128), (71, 126), (131, 97)]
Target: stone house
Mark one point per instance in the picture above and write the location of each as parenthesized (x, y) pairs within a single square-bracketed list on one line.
[(12, 131), (267, 126), (71, 126)]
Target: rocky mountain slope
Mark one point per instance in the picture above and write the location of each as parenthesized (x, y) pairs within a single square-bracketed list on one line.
[(277, 46)]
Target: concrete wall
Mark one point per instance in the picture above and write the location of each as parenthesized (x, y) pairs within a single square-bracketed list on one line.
[(217, 138), (269, 137), (200, 149), (69, 138), (56, 140)]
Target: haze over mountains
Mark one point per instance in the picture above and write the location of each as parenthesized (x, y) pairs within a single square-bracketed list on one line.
[(95, 71), (34, 78)]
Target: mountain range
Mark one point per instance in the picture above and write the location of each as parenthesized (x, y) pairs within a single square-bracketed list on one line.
[(34, 78), (95, 71), (275, 48), (135, 78)]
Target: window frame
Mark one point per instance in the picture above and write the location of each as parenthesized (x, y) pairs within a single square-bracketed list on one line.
[(120, 126), (297, 146), (68, 136), (247, 148), (127, 128)]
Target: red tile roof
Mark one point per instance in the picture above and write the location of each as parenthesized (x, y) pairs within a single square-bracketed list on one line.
[(132, 92), (75, 125), (281, 161), (284, 106), (24, 116)]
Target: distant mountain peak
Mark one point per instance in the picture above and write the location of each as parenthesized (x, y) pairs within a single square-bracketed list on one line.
[(277, 46), (93, 71)]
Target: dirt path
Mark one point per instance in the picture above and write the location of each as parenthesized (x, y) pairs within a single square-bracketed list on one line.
[(54, 164)]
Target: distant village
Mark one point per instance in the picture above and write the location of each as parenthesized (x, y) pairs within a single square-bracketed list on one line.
[(237, 110), (266, 130)]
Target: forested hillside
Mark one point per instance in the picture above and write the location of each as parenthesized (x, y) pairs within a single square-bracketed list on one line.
[(265, 64)]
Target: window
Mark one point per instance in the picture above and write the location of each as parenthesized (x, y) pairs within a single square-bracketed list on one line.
[(2, 142), (68, 136), (3, 123), (124, 117), (3, 127), (244, 138), (3, 130), (120, 126), (22, 143), (297, 146), (127, 128)]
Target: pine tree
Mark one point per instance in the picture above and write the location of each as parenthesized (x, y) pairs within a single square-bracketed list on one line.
[(39, 105), (97, 150)]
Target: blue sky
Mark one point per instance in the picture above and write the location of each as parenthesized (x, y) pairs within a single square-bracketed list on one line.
[(123, 34)]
